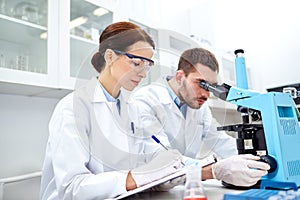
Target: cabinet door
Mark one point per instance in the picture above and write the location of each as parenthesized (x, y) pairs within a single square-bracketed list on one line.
[(86, 23), (23, 47)]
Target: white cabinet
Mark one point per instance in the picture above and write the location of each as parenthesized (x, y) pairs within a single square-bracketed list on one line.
[(87, 21), (45, 50), (23, 51)]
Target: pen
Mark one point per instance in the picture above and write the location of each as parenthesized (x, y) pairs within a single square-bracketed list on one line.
[(132, 127), (215, 158), (158, 142)]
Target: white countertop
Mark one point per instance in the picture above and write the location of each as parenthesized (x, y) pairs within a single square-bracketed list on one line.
[(213, 188)]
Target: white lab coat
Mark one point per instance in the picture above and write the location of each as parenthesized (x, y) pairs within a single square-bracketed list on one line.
[(159, 115), (89, 152)]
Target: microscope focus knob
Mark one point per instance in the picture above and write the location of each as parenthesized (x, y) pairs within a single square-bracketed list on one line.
[(271, 161)]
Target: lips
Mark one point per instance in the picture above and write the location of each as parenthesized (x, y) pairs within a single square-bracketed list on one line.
[(201, 101), (135, 82)]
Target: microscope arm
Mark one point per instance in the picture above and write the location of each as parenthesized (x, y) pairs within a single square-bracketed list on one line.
[(227, 92)]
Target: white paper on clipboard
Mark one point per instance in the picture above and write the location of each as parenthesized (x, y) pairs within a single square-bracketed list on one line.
[(152, 184)]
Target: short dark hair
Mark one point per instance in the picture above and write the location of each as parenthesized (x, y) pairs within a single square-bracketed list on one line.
[(119, 36), (191, 57)]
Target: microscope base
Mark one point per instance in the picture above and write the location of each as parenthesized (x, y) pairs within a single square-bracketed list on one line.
[(230, 186)]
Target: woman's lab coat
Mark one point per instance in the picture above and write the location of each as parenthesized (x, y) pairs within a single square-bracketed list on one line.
[(89, 152), (159, 115)]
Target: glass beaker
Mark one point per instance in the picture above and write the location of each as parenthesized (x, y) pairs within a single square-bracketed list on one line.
[(193, 188), (27, 10), (22, 62)]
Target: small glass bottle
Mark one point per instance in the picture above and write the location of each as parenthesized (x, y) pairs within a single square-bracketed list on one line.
[(2, 7), (22, 62), (2, 60), (193, 187)]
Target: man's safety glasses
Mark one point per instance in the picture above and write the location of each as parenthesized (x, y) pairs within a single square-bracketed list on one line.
[(137, 62)]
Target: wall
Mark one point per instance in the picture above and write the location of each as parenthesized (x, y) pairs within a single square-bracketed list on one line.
[(268, 31), (24, 133), (23, 137)]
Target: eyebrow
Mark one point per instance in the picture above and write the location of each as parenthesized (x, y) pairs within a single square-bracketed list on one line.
[(201, 79)]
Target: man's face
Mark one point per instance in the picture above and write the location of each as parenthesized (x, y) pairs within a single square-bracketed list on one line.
[(189, 91)]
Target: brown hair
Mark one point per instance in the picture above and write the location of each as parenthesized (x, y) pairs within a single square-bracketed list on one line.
[(191, 57), (118, 36)]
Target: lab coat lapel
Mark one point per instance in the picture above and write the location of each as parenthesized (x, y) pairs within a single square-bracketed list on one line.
[(193, 133), (123, 154), (177, 139), (166, 99), (176, 115), (108, 132), (176, 110)]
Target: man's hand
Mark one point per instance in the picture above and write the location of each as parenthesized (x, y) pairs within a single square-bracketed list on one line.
[(240, 170)]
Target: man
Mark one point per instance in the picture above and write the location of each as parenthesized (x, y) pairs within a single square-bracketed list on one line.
[(177, 113)]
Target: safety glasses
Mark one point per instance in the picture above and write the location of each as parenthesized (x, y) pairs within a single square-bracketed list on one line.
[(137, 62)]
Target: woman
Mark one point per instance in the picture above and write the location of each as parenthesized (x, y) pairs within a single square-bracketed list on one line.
[(91, 152)]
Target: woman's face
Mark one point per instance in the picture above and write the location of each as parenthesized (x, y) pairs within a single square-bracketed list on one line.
[(129, 70)]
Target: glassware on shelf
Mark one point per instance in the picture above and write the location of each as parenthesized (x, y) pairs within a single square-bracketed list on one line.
[(2, 6), (91, 34), (27, 11), (43, 14), (10, 64), (193, 188), (22, 62), (2, 60)]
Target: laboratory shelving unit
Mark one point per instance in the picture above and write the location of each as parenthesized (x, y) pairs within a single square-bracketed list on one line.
[(39, 54)]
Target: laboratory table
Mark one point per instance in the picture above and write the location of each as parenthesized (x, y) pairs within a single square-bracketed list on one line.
[(213, 188)]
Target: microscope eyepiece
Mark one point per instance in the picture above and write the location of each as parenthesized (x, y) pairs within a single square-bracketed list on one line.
[(238, 51), (205, 85), (220, 91)]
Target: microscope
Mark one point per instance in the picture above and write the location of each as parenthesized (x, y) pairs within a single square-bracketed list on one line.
[(269, 127)]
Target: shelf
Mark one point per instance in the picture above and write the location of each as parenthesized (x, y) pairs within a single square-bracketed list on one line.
[(22, 22), (61, 60), (82, 40), (32, 90), (20, 31), (27, 83), (22, 38)]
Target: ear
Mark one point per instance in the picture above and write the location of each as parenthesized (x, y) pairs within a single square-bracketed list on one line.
[(109, 56), (179, 75)]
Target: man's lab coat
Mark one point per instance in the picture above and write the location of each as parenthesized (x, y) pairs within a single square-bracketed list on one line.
[(88, 153), (160, 116)]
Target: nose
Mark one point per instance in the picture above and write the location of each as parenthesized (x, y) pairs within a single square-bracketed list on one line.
[(142, 73), (204, 93)]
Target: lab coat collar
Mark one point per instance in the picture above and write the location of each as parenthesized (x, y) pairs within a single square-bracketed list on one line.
[(96, 92), (173, 96), (107, 95), (172, 99), (164, 97), (167, 98)]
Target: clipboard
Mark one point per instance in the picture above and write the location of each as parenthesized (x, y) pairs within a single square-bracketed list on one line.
[(152, 184)]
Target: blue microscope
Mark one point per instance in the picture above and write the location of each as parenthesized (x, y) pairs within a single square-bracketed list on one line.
[(269, 127)]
